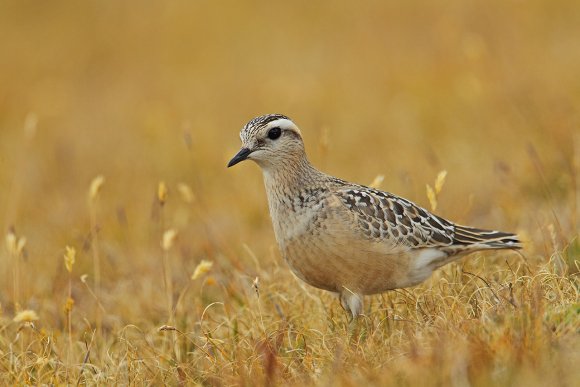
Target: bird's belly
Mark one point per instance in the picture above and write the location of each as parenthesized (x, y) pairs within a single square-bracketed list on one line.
[(330, 266)]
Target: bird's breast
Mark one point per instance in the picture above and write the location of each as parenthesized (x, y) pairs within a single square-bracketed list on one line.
[(292, 221)]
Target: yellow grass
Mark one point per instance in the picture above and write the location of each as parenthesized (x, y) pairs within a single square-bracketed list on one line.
[(138, 93)]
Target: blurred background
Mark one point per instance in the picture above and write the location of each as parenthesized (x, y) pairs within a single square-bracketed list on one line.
[(143, 92)]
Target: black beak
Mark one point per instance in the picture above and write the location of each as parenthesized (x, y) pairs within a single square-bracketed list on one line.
[(240, 156)]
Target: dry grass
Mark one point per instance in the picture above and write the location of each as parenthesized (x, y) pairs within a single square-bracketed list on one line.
[(146, 93)]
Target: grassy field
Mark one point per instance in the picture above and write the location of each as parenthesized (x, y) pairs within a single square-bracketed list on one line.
[(117, 120)]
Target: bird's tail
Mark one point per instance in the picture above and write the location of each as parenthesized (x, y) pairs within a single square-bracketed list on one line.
[(485, 239)]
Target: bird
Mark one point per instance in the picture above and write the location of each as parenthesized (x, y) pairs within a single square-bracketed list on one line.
[(347, 238)]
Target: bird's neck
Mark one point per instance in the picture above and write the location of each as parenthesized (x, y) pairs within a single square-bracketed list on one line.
[(286, 187), (290, 178)]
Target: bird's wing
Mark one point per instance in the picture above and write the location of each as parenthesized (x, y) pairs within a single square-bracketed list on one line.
[(388, 219)]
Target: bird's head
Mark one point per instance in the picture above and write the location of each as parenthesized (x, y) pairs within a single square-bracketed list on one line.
[(271, 141)]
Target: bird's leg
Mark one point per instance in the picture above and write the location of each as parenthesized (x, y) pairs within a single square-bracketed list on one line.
[(352, 303)]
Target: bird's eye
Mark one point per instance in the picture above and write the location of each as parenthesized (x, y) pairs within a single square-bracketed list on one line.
[(274, 133)]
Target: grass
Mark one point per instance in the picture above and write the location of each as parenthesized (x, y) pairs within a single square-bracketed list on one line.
[(117, 120)]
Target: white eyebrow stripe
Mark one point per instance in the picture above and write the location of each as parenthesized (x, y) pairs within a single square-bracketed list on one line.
[(281, 123), (284, 124)]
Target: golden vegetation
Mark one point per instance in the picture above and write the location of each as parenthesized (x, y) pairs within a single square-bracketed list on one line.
[(180, 282)]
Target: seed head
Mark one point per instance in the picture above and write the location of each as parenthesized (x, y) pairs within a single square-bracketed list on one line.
[(68, 305), (186, 192), (377, 181), (162, 192), (95, 186), (440, 180), (164, 328), (11, 242), (202, 268), (69, 258), (432, 197), (27, 315), (15, 245), (256, 286), (169, 237), (432, 193)]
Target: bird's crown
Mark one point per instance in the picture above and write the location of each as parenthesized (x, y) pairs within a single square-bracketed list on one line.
[(259, 124)]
